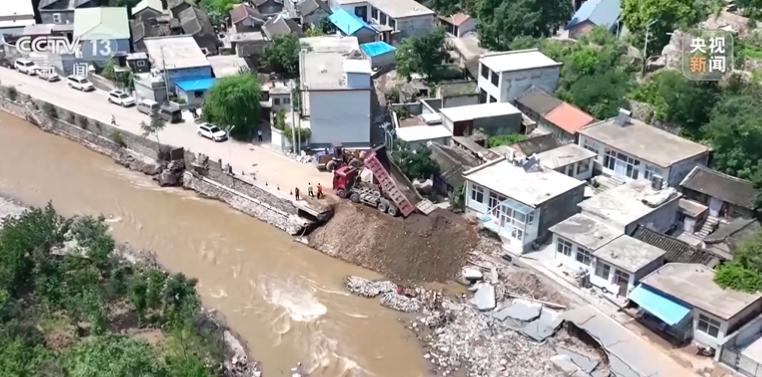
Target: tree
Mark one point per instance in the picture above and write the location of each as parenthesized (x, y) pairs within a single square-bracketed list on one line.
[(233, 102), (282, 55), (416, 163), (138, 295), (664, 16), (679, 101), (501, 21), (744, 272), (112, 356), (444, 7), (218, 6), (751, 8), (314, 31), (155, 126), (425, 54)]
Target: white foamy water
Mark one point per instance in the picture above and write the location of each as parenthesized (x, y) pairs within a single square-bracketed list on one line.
[(299, 301)]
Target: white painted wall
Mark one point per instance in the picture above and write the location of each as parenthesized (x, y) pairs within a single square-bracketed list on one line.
[(513, 84), (570, 262), (415, 26), (339, 116)]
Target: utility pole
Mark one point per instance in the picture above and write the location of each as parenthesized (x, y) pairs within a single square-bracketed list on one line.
[(293, 117), (164, 73), (645, 46)]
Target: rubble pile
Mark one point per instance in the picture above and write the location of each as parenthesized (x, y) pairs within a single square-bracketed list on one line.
[(368, 288), (241, 367), (393, 300)]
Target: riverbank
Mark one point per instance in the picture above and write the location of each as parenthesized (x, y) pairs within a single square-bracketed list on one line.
[(81, 239)]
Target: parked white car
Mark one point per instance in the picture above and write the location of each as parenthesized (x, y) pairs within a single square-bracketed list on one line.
[(26, 66), (80, 83), (119, 97), (48, 74), (212, 132)]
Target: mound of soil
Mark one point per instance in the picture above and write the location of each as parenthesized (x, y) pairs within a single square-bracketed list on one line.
[(417, 249)]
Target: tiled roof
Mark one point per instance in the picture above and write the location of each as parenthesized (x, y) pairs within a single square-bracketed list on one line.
[(568, 118), (677, 251), (241, 12), (279, 25), (538, 100), (536, 144), (599, 12), (722, 186)]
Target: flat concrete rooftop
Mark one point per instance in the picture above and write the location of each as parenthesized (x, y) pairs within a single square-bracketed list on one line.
[(629, 254), (585, 231), (694, 284), (322, 61), (623, 205), (564, 155)]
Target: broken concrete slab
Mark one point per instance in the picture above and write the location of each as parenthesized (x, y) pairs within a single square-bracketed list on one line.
[(522, 310), (484, 298), (472, 274), (544, 326), (564, 363), (584, 362)]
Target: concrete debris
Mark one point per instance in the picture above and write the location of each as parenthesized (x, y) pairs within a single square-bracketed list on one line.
[(521, 310), (484, 298), (565, 364), (472, 274), (585, 363), (400, 302), (368, 288), (543, 327)]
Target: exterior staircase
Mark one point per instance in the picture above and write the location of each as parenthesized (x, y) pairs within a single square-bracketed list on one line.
[(708, 227)]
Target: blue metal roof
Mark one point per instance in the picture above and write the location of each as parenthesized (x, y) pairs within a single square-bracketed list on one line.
[(346, 22), (195, 85), (660, 306), (377, 48), (599, 12)]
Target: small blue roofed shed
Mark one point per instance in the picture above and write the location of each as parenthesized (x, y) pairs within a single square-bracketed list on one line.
[(603, 13), (193, 91), (380, 53), (350, 24), (666, 309), (373, 49)]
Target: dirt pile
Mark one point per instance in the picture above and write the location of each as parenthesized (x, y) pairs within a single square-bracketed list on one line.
[(417, 249)]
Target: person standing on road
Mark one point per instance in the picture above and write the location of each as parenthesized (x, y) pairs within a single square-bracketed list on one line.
[(319, 191), (296, 193), (113, 120), (259, 135), (309, 190)]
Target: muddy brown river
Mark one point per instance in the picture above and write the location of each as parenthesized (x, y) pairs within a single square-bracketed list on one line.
[(284, 299)]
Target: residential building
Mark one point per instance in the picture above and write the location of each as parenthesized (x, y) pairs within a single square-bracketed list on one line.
[(682, 302), (452, 163), (195, 22), (380, 53), (62, 11), (632, 204), (490, 118), (519, 200), (309, 12), (560, 118), (147, 9), (504, 76), (276, 96), (630, 149), (725, 195), (268, 7), (15, 15), (352, 26), (245, 18), (577, 238), (724, 241), (335, 88), (422, 135), (677, 251), (466, 52), (594, 13), (281, 25), (394, 19), (569, 159), (104, 32), (138, 62), (179, 58), (193, 91), (458, 24), (175, 7)]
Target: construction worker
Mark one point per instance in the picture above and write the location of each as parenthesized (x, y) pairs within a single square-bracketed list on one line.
[(309, 190), (319, 191), (296, 193)]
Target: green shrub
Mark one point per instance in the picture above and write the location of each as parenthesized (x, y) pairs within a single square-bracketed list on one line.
[(12, 93), (303, 133), (117, 138), (49, 110)]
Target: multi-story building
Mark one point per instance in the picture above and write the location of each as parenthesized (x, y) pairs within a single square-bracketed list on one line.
[(393, 19), (504, 76)]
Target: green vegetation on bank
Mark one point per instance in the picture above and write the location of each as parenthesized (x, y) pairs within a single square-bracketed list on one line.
[(69, 306), (233, 102)]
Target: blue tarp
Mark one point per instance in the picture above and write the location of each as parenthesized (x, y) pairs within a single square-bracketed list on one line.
[(347, 22), (195, 85), (374, 49), (661, 307), (599, 12)]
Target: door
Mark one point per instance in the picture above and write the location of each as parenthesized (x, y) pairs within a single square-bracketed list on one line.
[(620, 168), (463, 128), (715, 206)]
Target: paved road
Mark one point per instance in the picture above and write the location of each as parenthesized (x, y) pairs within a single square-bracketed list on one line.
[(258, 161)]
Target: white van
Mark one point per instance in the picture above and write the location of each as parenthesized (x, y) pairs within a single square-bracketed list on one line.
[(148, 106), (79, 83), (26, 66)]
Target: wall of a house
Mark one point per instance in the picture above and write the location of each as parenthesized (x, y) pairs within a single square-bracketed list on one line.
[(706, 339), (660, 219), (365, 36), (570, 262), (340, 116), (66, 17), (679, 170), (558, 209), (513, 84), (499, 125), (466, 27), (415, 26), (382, 60)]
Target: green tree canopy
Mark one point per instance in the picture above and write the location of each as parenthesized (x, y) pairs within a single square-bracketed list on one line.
[(282, 55), (496, 141), (233, 101), (425, 55), (502, 21), (664, 16), (416, 163), (744, 272)]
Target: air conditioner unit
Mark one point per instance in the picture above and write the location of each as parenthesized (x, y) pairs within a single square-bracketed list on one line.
[(657, 182)]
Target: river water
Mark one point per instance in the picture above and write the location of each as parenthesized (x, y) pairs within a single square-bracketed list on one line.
[(284, 299)]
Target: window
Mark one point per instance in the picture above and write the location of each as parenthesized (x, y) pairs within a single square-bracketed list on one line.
[(477, 193), (492, 99), (590, 146), (609, 159), (530, 218), (563, 246), (140, 63), (494, 202), (517, 233), (708, 326), (287, 101), (374, 13), (650, 171), (583, 167), (57, 18), (584, 256), (198, 93), (621, 278), (485, 71), (392, 23), (382, 21), (276, 101), (602, 270), (494, 79), (632, 165)]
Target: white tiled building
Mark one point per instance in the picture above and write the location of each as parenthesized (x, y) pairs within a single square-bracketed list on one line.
[(504, 76)]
